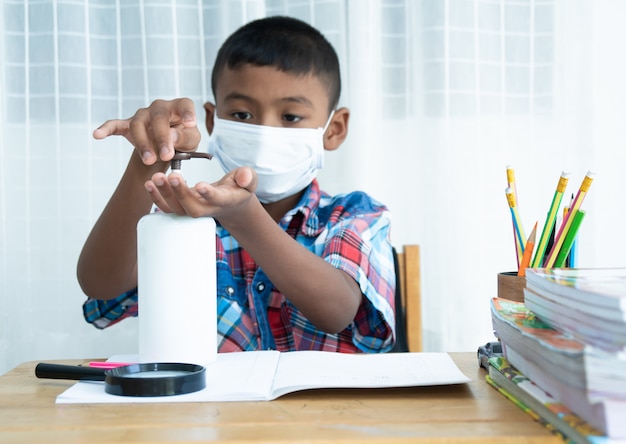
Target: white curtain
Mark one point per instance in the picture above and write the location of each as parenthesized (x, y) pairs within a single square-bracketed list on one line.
[(444, 95)]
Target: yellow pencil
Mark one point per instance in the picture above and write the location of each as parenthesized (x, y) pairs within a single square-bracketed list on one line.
[(519, 229), (528, 251), (510, 180), (567, 220), (550, 220)]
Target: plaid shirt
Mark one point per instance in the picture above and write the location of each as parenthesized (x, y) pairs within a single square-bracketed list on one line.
[(351, 232)]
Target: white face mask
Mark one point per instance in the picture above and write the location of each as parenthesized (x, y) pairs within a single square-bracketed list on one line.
[(286, 160)]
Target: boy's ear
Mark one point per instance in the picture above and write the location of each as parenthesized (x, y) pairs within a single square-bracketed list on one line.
[(337, 130), (210, 110)]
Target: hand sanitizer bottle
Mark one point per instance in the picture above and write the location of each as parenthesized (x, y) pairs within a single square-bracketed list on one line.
[(177, 288)]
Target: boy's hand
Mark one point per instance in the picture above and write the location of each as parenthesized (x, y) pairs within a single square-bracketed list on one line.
[(221, 200), (157, 130)]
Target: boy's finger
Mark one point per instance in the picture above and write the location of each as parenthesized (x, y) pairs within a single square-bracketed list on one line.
[(173, 125), (166, 195), (206, 191), (186, 139), (156, 197), (139, 137), (184, 110), (114, 127), (160, 127), (185, 196), (246, 177)]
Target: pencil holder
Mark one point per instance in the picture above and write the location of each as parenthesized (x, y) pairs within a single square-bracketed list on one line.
[(511, 286)]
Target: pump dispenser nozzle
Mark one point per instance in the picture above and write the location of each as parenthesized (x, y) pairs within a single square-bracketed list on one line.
[(179, 156)]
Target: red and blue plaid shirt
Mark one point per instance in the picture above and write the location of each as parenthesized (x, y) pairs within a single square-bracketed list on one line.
[(350, 231)]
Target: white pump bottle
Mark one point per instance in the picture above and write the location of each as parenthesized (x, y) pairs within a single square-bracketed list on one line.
[(177, 286)]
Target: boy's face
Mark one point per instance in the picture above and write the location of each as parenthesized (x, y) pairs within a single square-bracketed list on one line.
[(264, 95)]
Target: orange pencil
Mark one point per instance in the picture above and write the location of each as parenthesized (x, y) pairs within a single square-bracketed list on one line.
[(528, 252)]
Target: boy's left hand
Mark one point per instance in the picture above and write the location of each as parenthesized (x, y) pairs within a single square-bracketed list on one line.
[(222, 199)]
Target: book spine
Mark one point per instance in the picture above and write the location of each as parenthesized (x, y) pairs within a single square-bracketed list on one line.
[(530, 412), (502, 373)]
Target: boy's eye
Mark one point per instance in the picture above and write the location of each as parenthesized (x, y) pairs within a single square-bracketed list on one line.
[(292, 118), (242, 115)]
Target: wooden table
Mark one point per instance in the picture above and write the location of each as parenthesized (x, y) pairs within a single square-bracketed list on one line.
[(470, 412)]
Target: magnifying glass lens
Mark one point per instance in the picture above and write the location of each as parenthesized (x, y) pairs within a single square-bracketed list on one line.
[(155, 379)]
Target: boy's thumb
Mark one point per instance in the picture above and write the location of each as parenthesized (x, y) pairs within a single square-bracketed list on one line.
[(245, 177)]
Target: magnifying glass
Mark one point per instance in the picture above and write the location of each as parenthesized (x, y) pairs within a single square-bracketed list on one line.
[(149, 379)]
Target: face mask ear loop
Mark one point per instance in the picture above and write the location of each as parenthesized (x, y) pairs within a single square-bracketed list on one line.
[(330, 118), (320, 157)]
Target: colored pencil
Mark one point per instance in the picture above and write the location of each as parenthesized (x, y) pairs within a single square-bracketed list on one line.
[(569, 239), (565, 210), (550, 220), (108, 365), (510, 180), (572, 258), (517, 223), (528, 251), (567, 221)]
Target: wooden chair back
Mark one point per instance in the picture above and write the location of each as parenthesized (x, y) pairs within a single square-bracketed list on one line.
[(408, 299)]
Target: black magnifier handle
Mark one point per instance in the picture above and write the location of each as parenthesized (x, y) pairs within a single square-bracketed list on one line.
[(75, 372)]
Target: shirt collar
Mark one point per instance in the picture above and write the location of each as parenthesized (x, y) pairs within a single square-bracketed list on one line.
[(307, 207)]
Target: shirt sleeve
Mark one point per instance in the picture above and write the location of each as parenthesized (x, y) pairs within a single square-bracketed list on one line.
[(361, 247), (104, 313)]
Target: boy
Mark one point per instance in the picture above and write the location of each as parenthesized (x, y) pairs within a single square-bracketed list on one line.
[(296, 268)]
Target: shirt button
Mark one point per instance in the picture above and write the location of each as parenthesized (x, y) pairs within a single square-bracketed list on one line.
[(260, 287), (230, 291)]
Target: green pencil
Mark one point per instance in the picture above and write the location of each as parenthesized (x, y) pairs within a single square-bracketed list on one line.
[(570, 237), (550, 220)]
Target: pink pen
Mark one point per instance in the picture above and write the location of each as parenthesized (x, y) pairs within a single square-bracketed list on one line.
[(108, 365)]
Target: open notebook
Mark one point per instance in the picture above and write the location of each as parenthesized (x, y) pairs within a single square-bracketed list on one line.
[(266, 375)]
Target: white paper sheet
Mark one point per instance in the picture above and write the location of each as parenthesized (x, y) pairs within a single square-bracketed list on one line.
[(266, 375)]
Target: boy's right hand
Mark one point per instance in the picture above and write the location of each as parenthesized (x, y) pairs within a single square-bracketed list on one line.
[(157, 130)]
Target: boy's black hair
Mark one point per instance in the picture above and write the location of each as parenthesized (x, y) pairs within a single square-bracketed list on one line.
[(286, 43)]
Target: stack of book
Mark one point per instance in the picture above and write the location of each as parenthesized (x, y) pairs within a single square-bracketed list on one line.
[(589, 304), (542, 407), (565, 351)]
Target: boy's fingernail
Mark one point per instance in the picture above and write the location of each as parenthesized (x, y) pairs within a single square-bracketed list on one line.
[(159, 182), (174, 181), (164, 152), (147, 157)]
